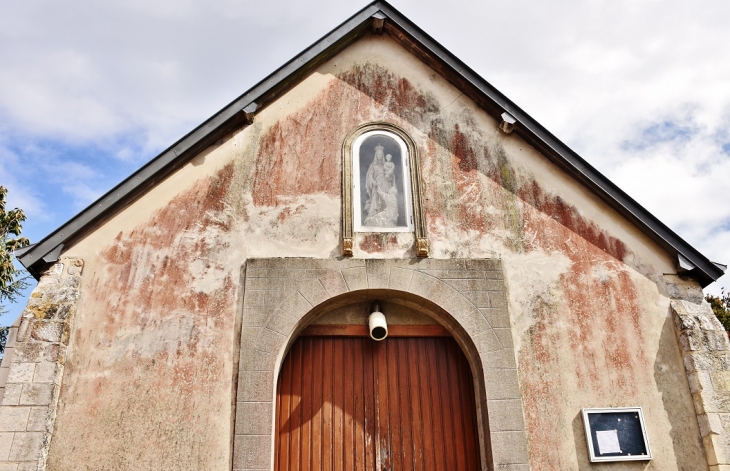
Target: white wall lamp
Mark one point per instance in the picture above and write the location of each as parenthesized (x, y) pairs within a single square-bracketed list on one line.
[(378, 325)]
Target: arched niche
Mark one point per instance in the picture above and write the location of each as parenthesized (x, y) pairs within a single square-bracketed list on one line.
[(366, 197)]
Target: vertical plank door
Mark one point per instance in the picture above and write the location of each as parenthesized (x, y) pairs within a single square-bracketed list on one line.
[(353, 404)]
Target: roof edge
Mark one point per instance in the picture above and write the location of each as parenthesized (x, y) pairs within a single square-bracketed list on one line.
[(240, 111)]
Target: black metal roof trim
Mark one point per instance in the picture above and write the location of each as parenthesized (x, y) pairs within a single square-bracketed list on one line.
[(267, 89)]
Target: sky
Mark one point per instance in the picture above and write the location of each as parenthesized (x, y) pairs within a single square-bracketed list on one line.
[(91, 90)]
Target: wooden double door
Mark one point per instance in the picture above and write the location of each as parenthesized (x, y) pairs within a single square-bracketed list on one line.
[(350, 403)]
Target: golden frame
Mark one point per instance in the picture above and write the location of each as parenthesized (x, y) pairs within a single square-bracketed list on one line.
[(419, 225)]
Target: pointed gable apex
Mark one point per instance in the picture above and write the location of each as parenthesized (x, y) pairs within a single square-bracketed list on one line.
[(381, 18)]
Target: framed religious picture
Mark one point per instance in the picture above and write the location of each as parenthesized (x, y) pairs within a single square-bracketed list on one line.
[(381, 183), (616, 434), (381, 189)]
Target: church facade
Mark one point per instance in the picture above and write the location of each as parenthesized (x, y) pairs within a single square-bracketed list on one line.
[(217, 310)]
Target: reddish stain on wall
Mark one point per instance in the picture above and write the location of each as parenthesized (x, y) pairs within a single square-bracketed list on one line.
[(157, 351), (302, 153), (569, 216)]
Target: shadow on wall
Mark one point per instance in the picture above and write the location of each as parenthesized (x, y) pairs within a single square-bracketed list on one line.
[(671, 382)]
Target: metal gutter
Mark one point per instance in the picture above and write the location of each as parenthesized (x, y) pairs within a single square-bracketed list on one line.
[(241, 110), (184, 149)]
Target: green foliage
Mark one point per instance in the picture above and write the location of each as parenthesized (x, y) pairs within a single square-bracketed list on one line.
[(721, 307), (12, 280)]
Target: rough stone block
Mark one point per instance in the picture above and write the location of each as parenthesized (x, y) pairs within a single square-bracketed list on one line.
[(12, 394), (452, 301), (479, 298), (331, 280), (509, 448), (502, 384), (32, 466), (28, 352), (254, 360), (683, 323), (691, 340), (698, 361), (716, 341), (268, 284), (8, 466), (699, 381), (249, 337), (21, 373), (497, 300), (270, 341), (378, 273), (487, 342), (505, 415), (257, 315), (721, 380), (36, 394), (267, 273), (715, 450), (252, 452), (313, 291), (253, 418), (282, 322), (422, 284), (479, 284), (356, 278), (256, 386), (26, 446), (474, 322), (258, 298), (505, 338), (53, 352), (710, 423), (721, 361), (13, 418), (400, 279), (45, 372), (497, 317), (6, 440), (295, 304), (499, 359), (37, 419)]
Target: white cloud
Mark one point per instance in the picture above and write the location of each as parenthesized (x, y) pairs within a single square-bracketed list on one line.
[(130, 78)]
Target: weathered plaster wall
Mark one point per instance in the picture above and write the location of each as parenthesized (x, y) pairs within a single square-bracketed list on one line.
[(148, 381)]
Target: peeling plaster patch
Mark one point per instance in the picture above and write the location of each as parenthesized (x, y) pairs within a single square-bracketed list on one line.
[(150, 351), (157, 341), (533, 281), (384, 245), (450, 240), (304, 226)]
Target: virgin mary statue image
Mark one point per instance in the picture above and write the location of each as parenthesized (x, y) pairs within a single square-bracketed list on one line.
[(381, 208)]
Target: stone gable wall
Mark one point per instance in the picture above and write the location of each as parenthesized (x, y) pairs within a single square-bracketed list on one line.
[(28, 407)]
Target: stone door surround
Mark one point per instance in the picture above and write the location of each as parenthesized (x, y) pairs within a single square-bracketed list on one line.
[(282, 295)]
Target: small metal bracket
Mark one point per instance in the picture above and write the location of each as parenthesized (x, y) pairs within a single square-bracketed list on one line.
[(53, 255), (378, 22), (248, 112), (684, 265), (508, 123)]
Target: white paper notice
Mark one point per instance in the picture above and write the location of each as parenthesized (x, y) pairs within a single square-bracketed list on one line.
[(608, 441)]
